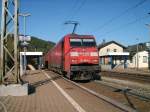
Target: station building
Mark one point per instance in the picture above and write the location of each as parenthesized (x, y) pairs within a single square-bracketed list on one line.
[(112, 55)]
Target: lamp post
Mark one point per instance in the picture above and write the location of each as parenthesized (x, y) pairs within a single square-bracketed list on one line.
[(24, 15)]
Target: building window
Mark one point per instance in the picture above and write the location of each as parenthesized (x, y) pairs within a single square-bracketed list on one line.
[(144, 59), (115, 50), (108, 49)]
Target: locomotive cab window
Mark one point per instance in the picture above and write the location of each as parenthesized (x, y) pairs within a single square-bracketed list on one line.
[(82, 42), (88, 42), (75, 42)]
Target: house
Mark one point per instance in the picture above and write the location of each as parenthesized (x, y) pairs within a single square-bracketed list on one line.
[(139, 60), (138, 56), (112, 55)]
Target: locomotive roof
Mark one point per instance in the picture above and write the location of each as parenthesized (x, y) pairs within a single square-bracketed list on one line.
[(71, 35), (76, 35)]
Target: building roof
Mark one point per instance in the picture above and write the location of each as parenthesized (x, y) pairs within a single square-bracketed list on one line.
[(110, 42), (141, 47), (133, 48)]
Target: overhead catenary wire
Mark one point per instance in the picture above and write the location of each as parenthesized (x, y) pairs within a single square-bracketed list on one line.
[(124, 26), (77, 5), (119, 15), (78, 9), (72, 9), (67, 17), (75, 9)]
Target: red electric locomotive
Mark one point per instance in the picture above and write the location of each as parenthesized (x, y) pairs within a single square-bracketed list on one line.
[(76, 56)]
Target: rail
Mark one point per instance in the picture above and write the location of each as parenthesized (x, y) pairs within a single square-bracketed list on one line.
[(130, 76), (128, 92), (106, 99), (3, 106)]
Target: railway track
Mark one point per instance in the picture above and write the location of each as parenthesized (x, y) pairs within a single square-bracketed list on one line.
[(138, 102), (141, 97), (115, 103), (106, 99), (128, 107), (129, 76)]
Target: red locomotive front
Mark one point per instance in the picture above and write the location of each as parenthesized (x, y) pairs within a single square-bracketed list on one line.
[(81, 57), (76, 56)]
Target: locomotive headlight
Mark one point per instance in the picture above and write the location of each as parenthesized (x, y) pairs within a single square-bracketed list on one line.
[(74, 54), (73, 60), (95, 60), (94, 53)]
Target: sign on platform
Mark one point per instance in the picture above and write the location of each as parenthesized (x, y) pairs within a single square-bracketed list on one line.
[(26, 38)]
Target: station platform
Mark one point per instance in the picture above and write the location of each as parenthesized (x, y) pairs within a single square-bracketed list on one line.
[(51, 93)]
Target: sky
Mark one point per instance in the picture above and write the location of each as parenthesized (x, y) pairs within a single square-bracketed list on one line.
[(120, 20)]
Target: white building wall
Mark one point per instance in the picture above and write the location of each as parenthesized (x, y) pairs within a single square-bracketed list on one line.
[(139, 63), (115, 52), (111, 48)]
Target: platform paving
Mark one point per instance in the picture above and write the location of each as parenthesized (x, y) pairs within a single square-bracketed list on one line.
[(45, 97)]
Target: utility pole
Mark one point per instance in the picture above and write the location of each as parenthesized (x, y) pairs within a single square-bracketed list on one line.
[(9, 70), (24, 44), (137, 56), (75, 23), (148, 47)]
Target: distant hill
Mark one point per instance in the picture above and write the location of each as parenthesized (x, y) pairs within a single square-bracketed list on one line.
[(37, 44)]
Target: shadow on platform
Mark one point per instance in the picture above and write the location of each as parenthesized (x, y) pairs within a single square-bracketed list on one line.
[(33, 86)]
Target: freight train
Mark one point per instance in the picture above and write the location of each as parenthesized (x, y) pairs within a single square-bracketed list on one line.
[(75, 56)]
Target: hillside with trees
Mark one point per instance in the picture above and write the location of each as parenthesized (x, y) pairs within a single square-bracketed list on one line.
[(37, 44)]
